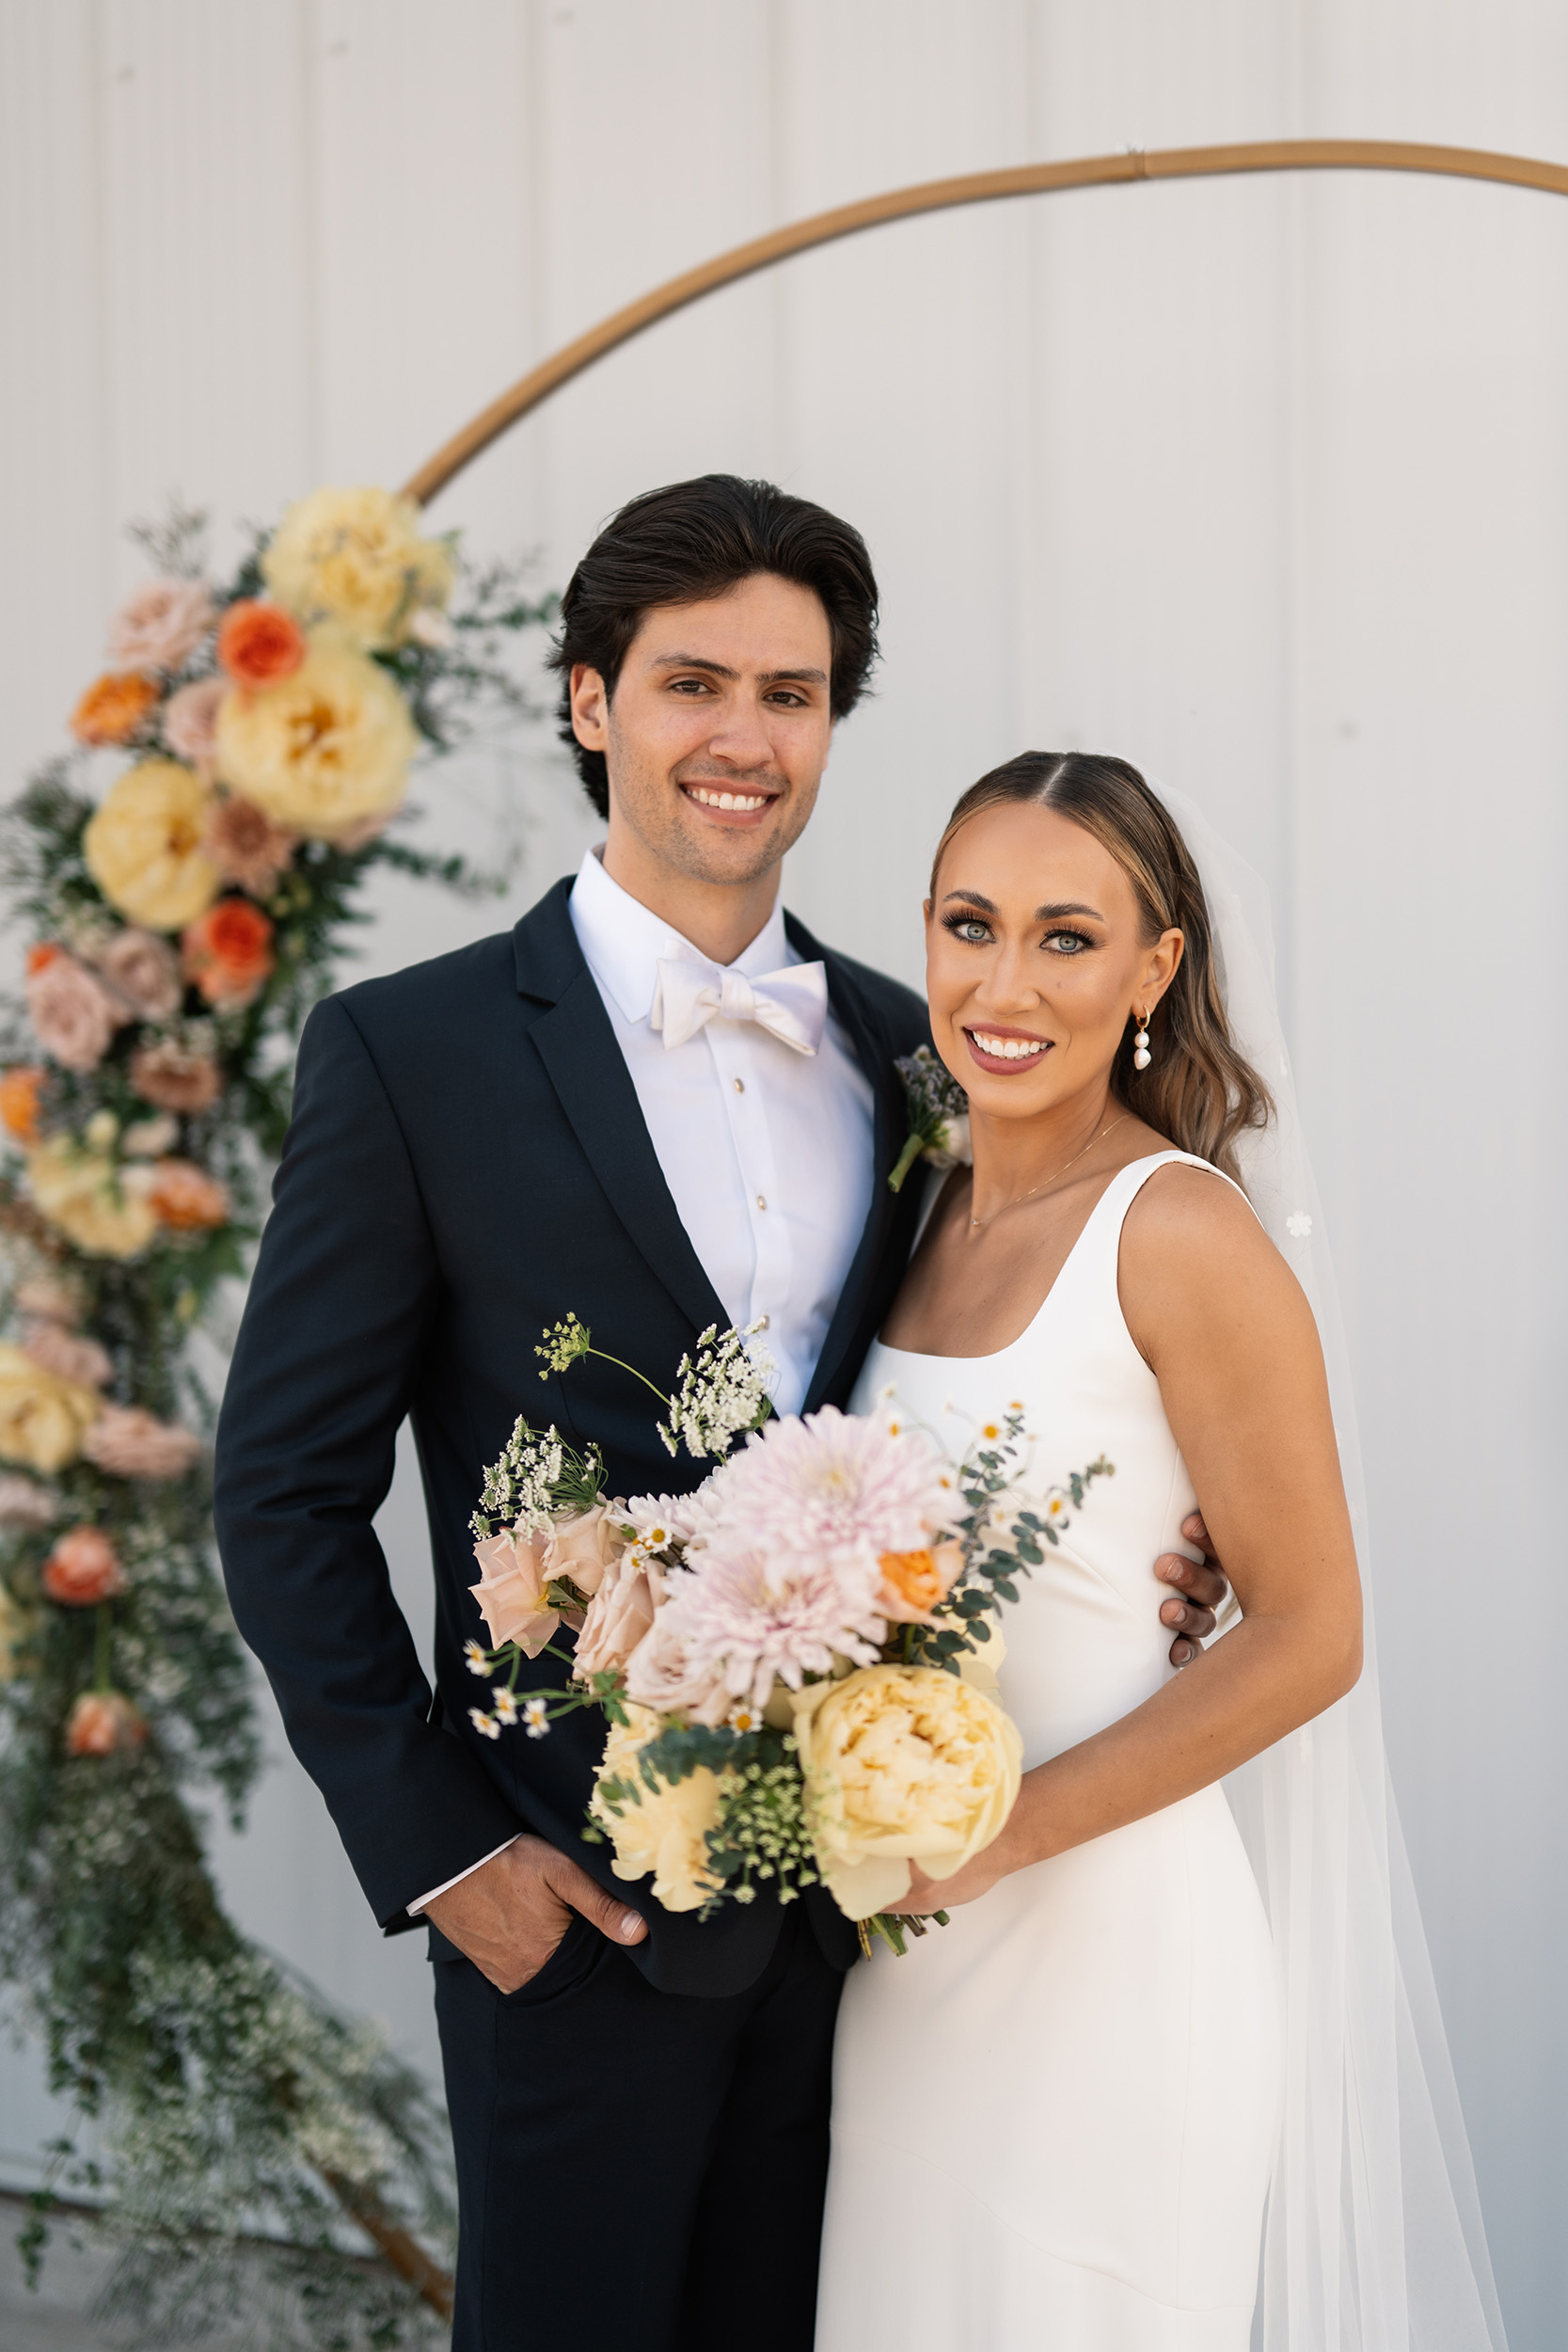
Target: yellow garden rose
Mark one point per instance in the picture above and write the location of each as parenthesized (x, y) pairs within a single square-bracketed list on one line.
[(43, 1418), (106, 1211), (667, 1830), (902, 1763), (145, 849), (356, 558), (323, 749)]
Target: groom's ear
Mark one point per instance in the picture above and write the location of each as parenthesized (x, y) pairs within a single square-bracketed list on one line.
[(590, 708)]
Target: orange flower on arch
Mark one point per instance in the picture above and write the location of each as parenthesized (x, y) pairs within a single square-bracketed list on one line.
[(259, 642), (113, 706), (103, 1720), (20, 1088), (185, 1197), (228, 951)]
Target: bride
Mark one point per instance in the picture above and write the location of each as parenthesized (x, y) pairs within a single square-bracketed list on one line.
[(1059, 2120)]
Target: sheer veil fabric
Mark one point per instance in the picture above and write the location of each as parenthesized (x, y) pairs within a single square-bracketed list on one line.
[(1374, 2240)]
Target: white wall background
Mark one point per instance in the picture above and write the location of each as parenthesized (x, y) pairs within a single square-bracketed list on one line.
[(1260, 483)]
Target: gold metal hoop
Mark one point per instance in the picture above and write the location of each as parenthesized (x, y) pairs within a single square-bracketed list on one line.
[(936, 196)]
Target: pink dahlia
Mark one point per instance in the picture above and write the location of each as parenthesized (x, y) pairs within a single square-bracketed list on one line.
[(785, 1573), (833, 1484)]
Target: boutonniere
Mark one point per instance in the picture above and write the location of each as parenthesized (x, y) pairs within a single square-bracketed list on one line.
[(939, 1116)]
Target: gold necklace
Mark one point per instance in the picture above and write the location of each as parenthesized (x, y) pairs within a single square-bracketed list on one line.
[(984, 1221)]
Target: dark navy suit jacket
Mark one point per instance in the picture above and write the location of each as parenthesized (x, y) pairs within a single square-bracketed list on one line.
[(467, 1163)]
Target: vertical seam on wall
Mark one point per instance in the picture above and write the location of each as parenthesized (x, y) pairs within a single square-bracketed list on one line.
[(98, 66), (307, 37), (780, 376)]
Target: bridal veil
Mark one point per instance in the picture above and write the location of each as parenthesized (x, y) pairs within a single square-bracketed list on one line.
[(1374, 2240)]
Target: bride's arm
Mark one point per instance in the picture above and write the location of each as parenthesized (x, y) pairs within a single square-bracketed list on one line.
[(1222, 1322)]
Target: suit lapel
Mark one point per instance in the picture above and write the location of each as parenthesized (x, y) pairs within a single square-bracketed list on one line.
[(874, 1052), (588, 1070)]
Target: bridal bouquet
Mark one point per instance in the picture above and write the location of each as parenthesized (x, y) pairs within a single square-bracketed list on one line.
[(788, 1656)]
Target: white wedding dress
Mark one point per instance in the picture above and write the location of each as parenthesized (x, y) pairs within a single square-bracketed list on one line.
[(1055, 2119)]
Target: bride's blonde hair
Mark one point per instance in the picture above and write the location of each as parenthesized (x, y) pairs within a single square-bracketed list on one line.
[(1199, 1089)]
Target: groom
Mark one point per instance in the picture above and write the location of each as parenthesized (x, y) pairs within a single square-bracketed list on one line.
[(658, 1103)]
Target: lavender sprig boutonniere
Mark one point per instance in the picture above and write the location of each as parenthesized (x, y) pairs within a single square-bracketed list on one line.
[(939, 1116)]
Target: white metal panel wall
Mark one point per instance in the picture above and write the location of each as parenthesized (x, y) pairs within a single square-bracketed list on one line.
[(1260, 483)]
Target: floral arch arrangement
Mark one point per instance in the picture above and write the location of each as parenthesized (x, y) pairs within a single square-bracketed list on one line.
[(178, 931)]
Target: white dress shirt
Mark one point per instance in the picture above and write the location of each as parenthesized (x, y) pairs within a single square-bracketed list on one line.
[(766, 1151)]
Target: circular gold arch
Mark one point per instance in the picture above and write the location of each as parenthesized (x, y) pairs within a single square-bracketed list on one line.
[(936, 196)]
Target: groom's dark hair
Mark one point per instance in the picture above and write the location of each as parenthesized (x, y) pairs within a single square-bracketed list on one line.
[(699, 539)]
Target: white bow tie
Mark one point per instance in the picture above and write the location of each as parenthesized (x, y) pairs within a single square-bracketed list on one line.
[(792, 1003)]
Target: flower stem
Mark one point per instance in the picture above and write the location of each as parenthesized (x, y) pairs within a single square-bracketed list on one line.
[(103, 1638), (905, 1161), (606, 1357)]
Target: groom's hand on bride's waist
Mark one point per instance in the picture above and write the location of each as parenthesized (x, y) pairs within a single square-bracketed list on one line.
[(510, 1914), (1204, 1585)]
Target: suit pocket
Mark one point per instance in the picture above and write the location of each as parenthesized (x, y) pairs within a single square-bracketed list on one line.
[(567, 1969)]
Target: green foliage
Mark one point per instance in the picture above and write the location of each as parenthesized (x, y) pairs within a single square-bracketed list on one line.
[(263, 2160)]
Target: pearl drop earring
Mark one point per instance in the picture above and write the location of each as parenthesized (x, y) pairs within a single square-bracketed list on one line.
[(1141, 1054)]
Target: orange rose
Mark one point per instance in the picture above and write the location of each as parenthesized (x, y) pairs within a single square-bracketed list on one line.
[(19, 1103), (185, 1197), (228, 951), (914, 1581), (83, 1569), (258, 643), (113, 707), (101, 1721)]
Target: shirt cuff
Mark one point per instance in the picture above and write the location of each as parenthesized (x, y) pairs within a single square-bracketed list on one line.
[(415, 1908)]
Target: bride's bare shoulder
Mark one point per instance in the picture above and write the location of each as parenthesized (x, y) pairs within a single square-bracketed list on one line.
[(1193, 1253)]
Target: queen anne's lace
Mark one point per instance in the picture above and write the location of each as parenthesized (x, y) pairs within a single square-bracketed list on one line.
[(718, 1394)]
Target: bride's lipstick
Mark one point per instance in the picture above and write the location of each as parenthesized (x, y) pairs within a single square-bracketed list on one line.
[(1006, 1052)]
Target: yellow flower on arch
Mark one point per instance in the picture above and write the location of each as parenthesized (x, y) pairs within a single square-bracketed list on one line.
[(144, 847), (43, 1418), (358, 558), (323, 750), (106, 1211)]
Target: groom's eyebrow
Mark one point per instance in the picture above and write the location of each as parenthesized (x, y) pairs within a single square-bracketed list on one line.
[(720, 669)]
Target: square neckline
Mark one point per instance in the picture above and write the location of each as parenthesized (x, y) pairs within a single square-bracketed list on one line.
[(1149, 1162)]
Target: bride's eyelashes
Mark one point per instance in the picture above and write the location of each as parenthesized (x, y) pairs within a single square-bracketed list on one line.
[(975, 932)]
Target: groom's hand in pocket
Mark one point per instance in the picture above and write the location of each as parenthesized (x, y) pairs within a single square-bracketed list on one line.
[(1204, 1584), (510, 1914)]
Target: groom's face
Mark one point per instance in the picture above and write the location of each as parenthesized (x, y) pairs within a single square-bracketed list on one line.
[(718, 731)]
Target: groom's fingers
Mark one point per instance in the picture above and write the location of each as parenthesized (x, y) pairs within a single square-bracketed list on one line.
[(1191, 1618), (610, 1915)]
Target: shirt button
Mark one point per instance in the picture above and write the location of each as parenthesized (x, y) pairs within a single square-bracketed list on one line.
[(740, 1086), (761, 1202)]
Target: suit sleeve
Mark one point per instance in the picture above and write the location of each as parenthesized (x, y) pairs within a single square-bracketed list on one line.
[(344, 1291)]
